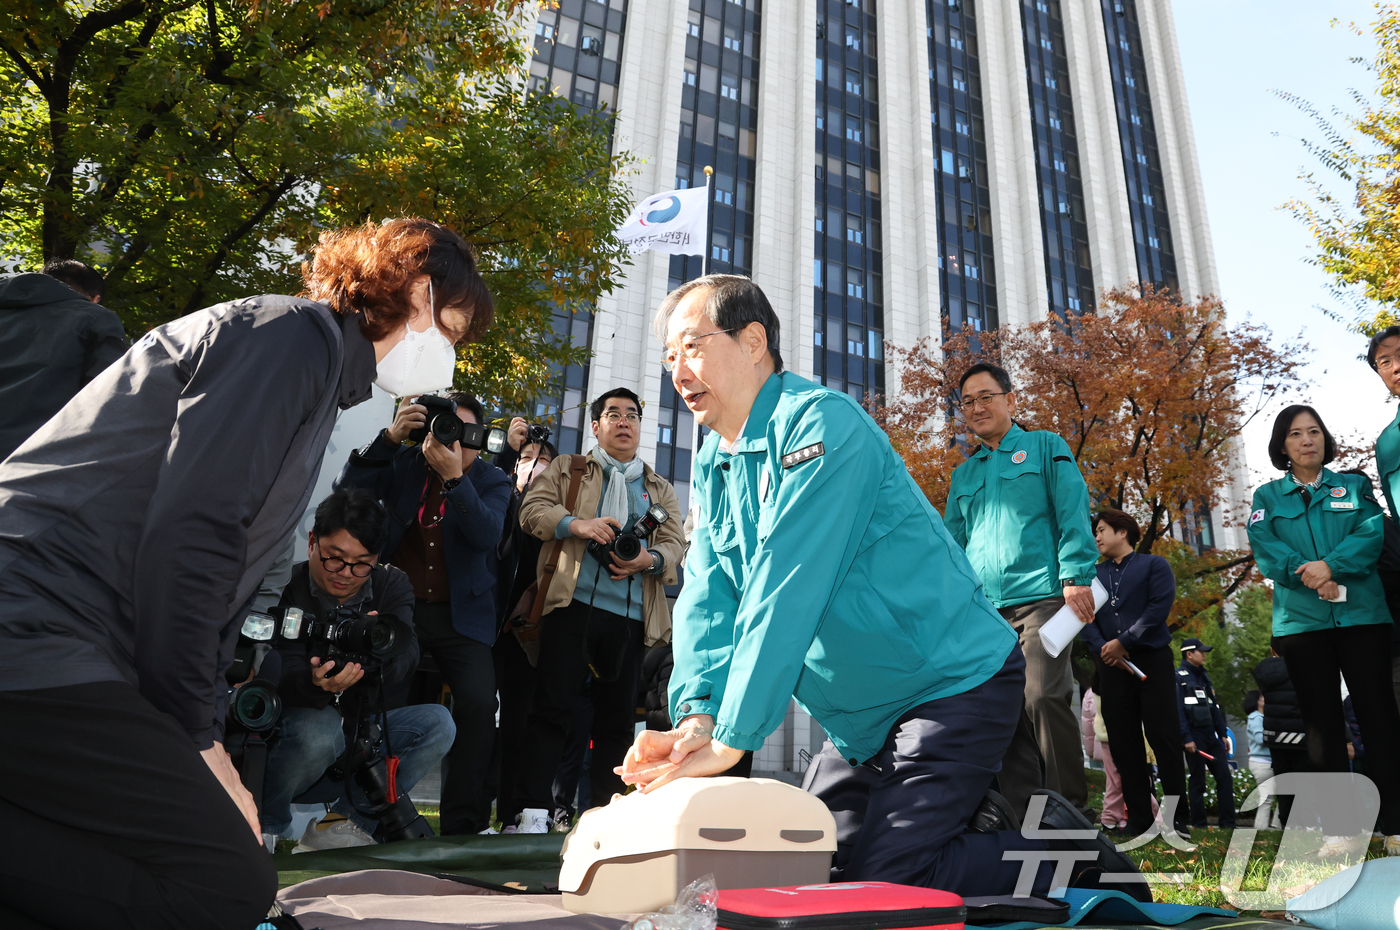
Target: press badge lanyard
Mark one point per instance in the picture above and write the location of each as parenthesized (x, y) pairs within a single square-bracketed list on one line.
[(1114, 585)]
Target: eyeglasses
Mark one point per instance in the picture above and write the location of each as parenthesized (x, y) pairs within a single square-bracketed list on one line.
[(688, 350), (335, 565), (1386, 362), (612, 416), (981, 400)]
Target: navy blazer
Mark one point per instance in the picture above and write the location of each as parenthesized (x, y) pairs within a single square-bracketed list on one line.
[(471, 526)]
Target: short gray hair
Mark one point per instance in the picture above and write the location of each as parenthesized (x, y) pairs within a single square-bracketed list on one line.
[(734, 302)]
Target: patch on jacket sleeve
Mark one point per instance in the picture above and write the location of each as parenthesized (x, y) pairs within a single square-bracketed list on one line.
[(1256, 517), (802, 455)]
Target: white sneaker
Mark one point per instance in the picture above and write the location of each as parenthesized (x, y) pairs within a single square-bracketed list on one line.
[(332, 831), (1392, 845), (533, 820), (489, 831), (1333, 846)]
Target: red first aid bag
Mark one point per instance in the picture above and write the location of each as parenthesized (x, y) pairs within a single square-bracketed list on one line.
[(840, 906)]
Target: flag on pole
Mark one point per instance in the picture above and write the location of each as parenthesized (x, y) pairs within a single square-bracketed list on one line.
[(671, 222)]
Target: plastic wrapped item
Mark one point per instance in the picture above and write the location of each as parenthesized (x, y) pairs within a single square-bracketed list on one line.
[(695, 909), (1060, 630)]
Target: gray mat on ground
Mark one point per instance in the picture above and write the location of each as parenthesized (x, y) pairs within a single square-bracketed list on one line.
[(385, 899), (528, 862)]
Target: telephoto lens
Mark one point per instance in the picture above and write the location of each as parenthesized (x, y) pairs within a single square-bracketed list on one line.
[(256, 706)]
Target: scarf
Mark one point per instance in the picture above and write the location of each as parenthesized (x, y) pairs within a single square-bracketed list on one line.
[(615, 502)]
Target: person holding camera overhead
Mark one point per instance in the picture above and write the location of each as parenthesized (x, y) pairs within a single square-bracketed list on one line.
[(135, 527), (1317, 536), (447, 509), (591, 512), (342, 571)]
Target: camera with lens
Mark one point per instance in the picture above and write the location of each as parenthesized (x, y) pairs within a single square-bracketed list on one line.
[(346, 635), (536, 434), (446, 427), (629, 545)]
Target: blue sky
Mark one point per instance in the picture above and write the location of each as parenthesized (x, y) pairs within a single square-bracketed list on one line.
[(1237, 54)]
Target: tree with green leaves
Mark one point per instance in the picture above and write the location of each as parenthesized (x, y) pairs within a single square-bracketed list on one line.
[(194, 149), (1357, 230)]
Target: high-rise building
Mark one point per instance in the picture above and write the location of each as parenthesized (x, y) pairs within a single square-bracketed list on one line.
[(884, 166)]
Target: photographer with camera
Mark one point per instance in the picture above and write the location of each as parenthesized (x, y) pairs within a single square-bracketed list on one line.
[(447, 509), (135, 526), (342, 572), (613, 539)]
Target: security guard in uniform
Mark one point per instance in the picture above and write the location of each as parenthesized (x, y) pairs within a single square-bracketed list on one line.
[(1203, 725), (819, 571)]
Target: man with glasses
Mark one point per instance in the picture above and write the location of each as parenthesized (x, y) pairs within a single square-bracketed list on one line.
[(342, 570), (1383, 354), (818, 571), (447, 509), (1020, 509), (595, 618)]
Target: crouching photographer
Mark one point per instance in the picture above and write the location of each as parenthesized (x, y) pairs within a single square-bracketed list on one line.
[(329, 693)]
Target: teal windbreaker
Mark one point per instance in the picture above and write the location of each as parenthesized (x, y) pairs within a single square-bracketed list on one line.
[(1022, 513), (818, 570), (1342, 527)]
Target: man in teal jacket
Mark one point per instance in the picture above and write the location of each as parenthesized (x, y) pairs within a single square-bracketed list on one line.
[(1020, 508), (1383, 354), (818, 571)]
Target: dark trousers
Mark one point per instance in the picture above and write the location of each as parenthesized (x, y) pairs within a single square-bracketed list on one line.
[(111, 819), (515, 680), (1224, 781), (570, 638), (902, 816), (1049, 730), (469, 670), (1132, 707), (572, 764), (1362, 655), (1288, 759)]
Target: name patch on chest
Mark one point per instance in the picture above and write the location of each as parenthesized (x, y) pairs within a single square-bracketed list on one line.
[(1343, 505), (802, 455)]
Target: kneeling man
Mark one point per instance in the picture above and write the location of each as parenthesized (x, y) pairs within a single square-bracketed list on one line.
[(818, 570)]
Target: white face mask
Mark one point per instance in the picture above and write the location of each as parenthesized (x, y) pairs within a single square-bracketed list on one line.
[(423, 363)]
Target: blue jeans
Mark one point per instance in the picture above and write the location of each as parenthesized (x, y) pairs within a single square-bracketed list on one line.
[(309, 741)]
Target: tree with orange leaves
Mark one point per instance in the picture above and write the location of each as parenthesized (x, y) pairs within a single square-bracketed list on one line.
[(1150, 392)]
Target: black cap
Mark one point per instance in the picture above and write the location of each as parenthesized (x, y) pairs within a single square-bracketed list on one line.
[(1193, 643)]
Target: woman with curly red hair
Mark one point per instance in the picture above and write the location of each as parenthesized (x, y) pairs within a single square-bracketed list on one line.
[(134, 529)]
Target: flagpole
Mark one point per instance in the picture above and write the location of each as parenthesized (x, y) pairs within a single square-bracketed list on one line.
[(709, 217)]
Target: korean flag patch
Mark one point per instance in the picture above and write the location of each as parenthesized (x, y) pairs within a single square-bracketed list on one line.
[(1256, 517)]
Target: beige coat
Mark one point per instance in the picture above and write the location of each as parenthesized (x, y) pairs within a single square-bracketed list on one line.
[(543, 508)]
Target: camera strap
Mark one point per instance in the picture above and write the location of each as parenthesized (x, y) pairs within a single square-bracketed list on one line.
[(423, 503), (577, 465)]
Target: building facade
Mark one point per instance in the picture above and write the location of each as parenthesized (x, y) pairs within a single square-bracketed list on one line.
[(884, 166)]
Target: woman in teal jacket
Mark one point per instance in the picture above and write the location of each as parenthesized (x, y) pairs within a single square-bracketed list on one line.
[(1317, 535)]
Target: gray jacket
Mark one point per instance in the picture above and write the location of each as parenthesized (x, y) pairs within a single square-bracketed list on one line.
[(136, 524)]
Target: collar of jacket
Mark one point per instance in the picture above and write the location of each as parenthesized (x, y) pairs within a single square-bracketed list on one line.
[(1327, 478), (755, 438), (1009, 443), (358, 370)]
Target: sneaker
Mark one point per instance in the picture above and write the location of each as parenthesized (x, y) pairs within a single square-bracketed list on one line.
[(270, 841), (1334, 846), (489, 831), (333, 831), (533, 820), (1392, 845)]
